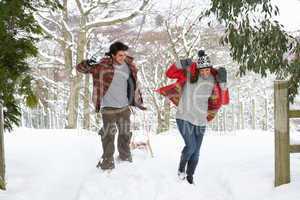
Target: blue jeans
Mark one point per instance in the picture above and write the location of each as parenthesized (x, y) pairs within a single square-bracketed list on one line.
[(192, 136)]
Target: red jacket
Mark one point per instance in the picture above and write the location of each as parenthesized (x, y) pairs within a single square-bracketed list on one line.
[(173, 91), (103, 73)]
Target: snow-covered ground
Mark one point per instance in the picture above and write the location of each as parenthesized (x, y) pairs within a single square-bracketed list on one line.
[(60, 165)]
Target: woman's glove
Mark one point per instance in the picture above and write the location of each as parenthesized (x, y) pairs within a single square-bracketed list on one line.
[(185, 63), (222, 75)]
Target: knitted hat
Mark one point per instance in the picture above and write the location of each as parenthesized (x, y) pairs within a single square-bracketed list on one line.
[(203, 60)]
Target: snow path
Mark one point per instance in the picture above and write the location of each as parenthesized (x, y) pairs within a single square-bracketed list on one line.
[(60, 165)]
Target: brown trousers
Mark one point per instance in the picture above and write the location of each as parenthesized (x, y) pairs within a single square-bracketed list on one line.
[(116, 119)]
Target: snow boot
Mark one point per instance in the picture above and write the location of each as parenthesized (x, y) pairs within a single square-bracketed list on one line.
[(127, 159), (190, 179), (106, 164), (181, 175)]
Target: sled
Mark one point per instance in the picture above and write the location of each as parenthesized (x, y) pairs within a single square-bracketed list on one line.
[(141, 140)]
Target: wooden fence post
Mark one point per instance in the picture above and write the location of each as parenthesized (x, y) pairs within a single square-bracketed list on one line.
[(282, 154), (2, 157)]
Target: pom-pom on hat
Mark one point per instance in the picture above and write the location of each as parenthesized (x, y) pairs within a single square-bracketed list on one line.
[(203, 60)]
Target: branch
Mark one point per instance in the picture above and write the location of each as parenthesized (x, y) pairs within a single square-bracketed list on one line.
[(99, 3), (64, 25), (80, 7), (48, 32), (109, 22), (173, 47), (193, 44), (51, 58), (68, 30), (50, 20), (49, 63), (150, 92), (51, 34)]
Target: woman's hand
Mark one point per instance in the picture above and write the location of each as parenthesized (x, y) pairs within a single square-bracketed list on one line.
[(185, 63), (222, 75)]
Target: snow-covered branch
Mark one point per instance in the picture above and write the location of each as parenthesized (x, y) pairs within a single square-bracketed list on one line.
[(52, 59), (171, 41), (100, 3), (52, 35), (80, 7), (49, 19), (112, 21)]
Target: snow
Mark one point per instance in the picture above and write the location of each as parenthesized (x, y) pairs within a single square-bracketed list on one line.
[(288, 14), (60, 164)]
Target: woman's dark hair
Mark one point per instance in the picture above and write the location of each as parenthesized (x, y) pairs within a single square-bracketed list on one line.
[(191, 77), (115, 47)]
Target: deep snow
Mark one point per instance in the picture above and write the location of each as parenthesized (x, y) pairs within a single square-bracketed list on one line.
[(60, 165)]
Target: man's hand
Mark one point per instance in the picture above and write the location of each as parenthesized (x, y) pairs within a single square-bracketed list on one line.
[(91, 62), (222, 75)]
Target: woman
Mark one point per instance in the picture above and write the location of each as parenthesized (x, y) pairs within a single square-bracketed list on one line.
[(199, 93)]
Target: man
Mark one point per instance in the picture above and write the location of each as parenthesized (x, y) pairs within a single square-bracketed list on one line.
[(114, 90)]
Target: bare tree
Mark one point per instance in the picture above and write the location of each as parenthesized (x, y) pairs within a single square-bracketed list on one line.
[(72, 30)]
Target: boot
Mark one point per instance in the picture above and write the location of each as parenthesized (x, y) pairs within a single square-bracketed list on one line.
[(127, 159), (181, 175), (106, 164), (190, 179)]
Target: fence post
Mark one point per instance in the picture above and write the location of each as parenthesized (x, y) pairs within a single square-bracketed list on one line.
[(2, 157), (282, 138)]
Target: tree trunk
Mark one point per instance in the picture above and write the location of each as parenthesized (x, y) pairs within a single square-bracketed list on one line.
[(72, 107), (159, 128), (74, 92), (86, 103), (82, 42), (266, 115), (218, 122), (238, 126), (233, 118), (167, 113), (73, 102), (98, 120), (253, 114), (163, 117), (2, 157), (242, 119), (224, 119)]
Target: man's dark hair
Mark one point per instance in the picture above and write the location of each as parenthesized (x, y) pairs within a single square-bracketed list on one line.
[(115, 47)]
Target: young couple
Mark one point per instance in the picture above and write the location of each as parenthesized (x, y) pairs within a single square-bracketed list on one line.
[(198, 92)]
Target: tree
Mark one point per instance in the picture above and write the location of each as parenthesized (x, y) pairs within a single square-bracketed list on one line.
[(176, 36), (75, 39), (257, 41), (17, 30), (155, 58)]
